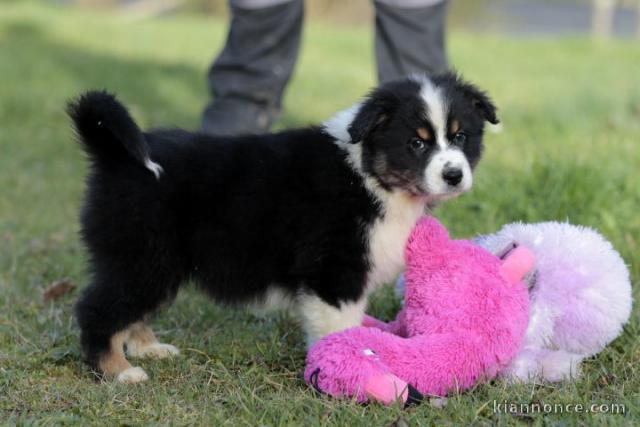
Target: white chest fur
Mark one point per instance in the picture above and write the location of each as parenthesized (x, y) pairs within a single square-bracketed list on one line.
[(388, 237)]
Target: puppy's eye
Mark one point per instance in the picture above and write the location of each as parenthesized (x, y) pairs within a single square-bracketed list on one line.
[(417, 145), (459, 138)]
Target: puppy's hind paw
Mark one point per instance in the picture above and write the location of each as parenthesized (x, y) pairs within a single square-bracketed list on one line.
[(132, 375), (155, 351)]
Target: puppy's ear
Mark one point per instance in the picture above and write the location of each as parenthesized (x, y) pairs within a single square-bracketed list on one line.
[(373, 112), (480, 101)]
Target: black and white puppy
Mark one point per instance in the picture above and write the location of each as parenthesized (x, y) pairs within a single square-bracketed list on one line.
[(313, 218)]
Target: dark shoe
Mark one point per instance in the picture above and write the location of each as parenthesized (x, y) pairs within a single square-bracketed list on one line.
[(228, 117)]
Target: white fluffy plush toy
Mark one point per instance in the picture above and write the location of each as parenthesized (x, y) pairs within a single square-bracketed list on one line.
[(580, 297)]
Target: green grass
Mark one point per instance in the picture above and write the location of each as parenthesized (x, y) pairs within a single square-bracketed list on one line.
[(570, 150)]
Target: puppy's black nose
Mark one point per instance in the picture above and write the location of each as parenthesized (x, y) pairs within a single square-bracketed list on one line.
[(452, 176)]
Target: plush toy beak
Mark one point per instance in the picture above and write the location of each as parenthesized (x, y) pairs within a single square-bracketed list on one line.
[(388, 388), (414, 397), (517, 264)]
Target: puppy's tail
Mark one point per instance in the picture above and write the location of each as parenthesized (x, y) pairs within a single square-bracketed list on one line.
[(107, 131)]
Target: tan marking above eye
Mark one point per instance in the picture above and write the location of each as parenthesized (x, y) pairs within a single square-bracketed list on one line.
[(423, 133), (455, 126)]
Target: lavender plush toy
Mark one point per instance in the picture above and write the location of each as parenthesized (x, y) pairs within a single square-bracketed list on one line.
[(580, 296)]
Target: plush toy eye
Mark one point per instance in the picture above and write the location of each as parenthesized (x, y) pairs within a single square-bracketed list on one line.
[(417, 145), (459, 138), (368, 352)]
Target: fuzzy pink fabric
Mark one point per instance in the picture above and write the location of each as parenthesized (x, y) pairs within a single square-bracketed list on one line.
[(464, 319)]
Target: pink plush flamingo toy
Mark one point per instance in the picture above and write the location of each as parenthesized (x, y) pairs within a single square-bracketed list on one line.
[(465, 316)]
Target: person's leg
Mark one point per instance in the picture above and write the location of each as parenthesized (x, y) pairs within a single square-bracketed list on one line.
[(410, 37), (248, 78)]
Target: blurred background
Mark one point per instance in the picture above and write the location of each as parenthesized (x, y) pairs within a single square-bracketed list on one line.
[(516, 17), (565, 75)]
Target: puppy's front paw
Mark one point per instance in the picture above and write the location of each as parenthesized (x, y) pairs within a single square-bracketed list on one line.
[(132, 375), (156, 351)]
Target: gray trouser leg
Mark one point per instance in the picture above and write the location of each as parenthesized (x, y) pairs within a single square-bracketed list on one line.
[(248, 78), (410, 39)]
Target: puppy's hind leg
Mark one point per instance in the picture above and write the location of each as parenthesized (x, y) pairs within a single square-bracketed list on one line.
[(142, 342), (104, 324), (109, 313), (113, 362)]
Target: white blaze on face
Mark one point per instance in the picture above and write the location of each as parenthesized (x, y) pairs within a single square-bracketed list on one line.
[(445, 155)]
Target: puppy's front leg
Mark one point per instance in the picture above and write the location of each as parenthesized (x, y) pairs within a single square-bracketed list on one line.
[(321, 318)]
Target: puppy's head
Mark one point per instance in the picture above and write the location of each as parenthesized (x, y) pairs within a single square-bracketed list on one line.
[(422, 135)]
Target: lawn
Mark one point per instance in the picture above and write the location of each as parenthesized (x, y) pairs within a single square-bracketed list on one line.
[(570, 149)]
